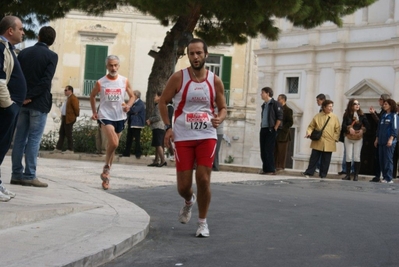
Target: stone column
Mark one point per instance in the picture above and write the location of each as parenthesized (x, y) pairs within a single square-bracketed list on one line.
[(395, 93)]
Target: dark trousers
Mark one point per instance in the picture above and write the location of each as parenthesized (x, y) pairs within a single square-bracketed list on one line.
[(395, 161), (377, 167), (280, 154), (325, 159), (386, 161), (215, 166), (133, 133), (65, 132), (267, 140), (8, 121)]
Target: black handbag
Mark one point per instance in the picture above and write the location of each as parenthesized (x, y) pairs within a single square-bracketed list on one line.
[(316, 134)]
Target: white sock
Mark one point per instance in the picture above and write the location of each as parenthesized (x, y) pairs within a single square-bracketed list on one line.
[(191, 201), (201, 220)]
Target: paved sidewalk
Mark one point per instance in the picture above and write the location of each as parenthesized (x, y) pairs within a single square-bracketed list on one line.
[(74, 222)]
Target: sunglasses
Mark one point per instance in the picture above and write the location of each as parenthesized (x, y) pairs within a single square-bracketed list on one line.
[(356, 104)]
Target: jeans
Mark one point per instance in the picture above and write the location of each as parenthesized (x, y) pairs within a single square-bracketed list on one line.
[(30, 127)]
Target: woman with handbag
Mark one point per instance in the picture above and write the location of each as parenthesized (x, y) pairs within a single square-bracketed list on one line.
[(354, 125), (327, 123)]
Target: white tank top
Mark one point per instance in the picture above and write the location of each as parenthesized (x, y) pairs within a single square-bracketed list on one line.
[(194, 108), (112, 96)]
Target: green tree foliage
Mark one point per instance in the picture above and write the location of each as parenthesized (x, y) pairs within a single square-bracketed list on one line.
[(216, 21), (33, 12)]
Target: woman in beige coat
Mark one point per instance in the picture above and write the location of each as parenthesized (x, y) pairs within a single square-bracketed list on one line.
[(323, 147)]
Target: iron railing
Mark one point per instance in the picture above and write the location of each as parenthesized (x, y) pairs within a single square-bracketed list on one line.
[(88, 86)]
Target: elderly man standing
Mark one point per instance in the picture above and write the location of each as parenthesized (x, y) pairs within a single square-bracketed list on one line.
[(136, 122), (12, 88), (38, 64), (284, 136), (69, 112)]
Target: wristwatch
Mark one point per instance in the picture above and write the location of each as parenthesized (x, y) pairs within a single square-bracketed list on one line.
[(167, 127)]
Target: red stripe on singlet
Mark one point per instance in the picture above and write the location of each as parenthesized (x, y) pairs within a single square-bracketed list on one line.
[(179, 109)]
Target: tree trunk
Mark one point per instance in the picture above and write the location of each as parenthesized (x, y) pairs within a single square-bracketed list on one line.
[(165, 62)]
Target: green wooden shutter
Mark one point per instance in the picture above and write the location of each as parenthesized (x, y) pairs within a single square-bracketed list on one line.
[(226, 72), (95, 62)]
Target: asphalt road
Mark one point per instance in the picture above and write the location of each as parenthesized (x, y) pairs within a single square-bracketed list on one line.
[(308, 222)]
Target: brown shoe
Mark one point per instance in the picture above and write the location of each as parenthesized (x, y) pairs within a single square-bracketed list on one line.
[(35, 182)]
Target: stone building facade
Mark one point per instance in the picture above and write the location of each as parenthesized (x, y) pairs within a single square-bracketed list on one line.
[(360, 59)]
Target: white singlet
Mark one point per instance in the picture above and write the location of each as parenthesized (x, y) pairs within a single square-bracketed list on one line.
[(194, 108), (112, 96)]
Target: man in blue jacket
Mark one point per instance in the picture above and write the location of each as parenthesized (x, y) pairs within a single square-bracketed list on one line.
[(271, 118), (38, 64), (136, 122)]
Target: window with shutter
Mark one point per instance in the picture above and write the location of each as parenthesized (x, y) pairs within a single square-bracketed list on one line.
[(94, 66)]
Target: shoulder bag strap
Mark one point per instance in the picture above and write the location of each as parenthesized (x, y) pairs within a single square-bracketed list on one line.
[(322, 129)]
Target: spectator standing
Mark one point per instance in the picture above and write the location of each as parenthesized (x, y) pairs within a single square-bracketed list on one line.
[(136, 122), (322, 149), (112, 112), (219, 133), (12, 88), (194, 90), (171, 110), (157, 126), (376, 117), (69, 112), (38, 64), (284, 135), (396, 152), (320, 98), (386, 139), (101, 139), (271, 118), (354, 125)]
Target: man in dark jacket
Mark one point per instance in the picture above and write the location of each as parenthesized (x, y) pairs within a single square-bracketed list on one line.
[(284, 136), (38, 64), (136, 122), (271, 118)]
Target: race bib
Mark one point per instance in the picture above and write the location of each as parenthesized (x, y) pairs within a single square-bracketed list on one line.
[(113, 95), (197, 121)]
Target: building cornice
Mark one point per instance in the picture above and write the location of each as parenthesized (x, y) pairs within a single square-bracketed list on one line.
[(394, 42)]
